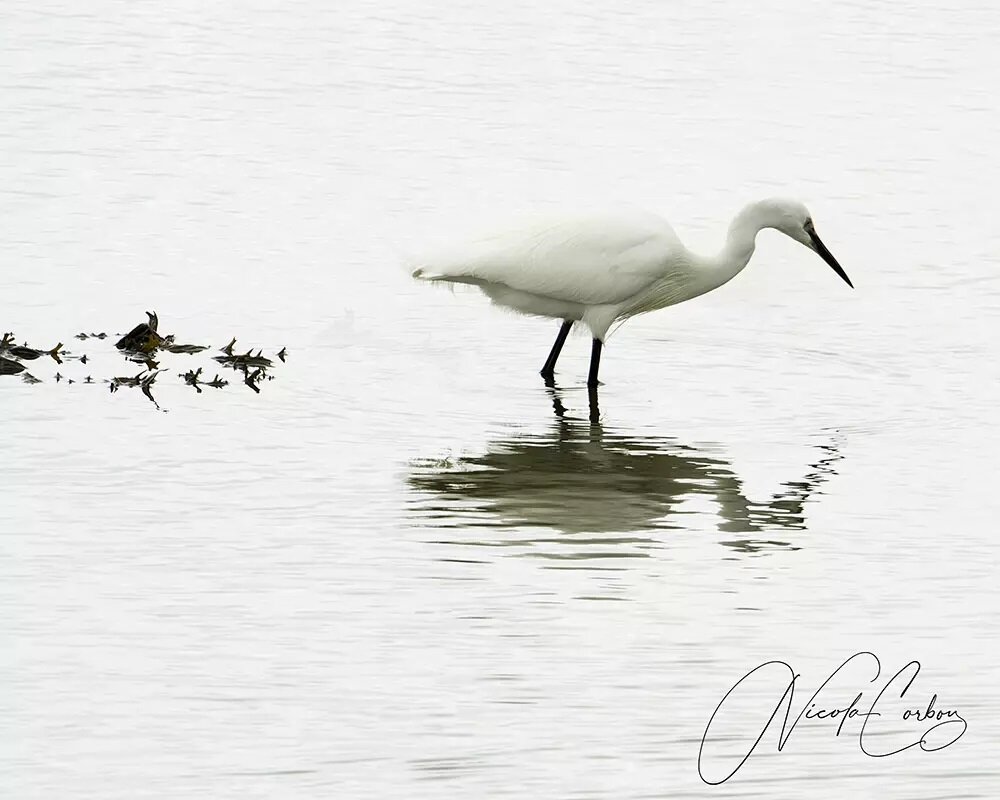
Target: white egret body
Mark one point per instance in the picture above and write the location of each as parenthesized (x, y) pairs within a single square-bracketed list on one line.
[(600, 269)]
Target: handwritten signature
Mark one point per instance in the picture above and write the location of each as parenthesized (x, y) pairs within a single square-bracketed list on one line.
[(947, 726)]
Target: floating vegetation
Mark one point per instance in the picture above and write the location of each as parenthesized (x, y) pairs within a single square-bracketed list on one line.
[(146, 383), (187, 349), (145, 344), (10, 367), (193, 378), (143, 338), (253, 378), (244, 361), (30, 353), (117, 383), (21, 352)]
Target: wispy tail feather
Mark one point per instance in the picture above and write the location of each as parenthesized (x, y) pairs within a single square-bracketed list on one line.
[(424, 274)]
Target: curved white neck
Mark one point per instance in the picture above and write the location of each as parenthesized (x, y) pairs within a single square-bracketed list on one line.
[(739, 247)]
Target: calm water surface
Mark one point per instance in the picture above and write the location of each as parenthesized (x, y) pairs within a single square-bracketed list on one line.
[(409, 569)]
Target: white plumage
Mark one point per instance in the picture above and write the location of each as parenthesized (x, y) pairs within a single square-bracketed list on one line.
[(587, 260), (597, 269)]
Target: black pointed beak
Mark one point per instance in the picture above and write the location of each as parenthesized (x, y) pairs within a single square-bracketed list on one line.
[(827, 256)]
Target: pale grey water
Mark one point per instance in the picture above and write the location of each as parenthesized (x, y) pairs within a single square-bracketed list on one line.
[(397, 572)]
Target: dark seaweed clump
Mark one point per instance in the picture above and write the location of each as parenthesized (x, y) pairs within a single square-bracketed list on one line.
[(147, 346), (13, 354)]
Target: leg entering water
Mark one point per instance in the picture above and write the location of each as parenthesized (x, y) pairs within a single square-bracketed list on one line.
[(550, 363), (595, 363)]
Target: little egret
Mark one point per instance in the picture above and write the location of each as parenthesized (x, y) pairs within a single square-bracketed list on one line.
[(601, 269)]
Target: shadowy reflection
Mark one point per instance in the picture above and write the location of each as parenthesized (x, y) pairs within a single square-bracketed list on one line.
[(580, 478)]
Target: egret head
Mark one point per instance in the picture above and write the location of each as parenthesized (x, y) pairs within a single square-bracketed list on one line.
[(793, 219)]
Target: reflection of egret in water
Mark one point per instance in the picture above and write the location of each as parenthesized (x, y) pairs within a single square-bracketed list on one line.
[(580, 478)]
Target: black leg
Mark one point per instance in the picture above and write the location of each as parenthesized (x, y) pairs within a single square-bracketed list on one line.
[(595, 363), (550, 363)]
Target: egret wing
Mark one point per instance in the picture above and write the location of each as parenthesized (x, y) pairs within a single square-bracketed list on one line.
[(589, 260)]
